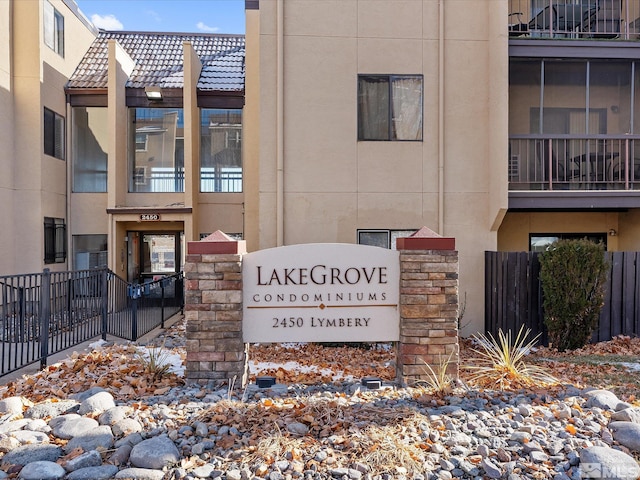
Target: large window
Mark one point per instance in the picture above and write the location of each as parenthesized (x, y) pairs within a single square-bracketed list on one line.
[(390, 107), (156, 150), (90, 145), (382, 238), (89, 251), (53, 134), (540, 242), (55, 240), (220, 150), (53, 29)]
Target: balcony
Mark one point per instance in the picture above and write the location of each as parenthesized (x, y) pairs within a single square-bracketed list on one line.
[(565, 162), (574, 19)]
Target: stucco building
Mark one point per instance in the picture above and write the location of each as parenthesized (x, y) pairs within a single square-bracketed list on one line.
[(41, 43), (503, 123)]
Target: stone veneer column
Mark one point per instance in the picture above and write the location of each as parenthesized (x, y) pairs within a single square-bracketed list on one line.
[(428, 306), (216, 352)]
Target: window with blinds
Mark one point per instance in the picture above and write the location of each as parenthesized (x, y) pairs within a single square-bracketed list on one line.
[(53, 134)]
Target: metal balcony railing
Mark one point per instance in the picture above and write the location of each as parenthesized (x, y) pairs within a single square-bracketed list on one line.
[(566, 162), (578, 19)]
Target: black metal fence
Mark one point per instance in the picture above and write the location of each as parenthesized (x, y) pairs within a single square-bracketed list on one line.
[(44, 313), (513, 295)]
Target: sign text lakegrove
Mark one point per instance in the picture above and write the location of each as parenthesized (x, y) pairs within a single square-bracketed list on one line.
[(321, 293)]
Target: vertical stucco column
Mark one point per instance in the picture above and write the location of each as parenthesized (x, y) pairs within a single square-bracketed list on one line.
[(216, 352), (428, 306)]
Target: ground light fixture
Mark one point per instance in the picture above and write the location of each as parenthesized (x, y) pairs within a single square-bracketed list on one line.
[(153, 93), (265, 382), (372, 383)]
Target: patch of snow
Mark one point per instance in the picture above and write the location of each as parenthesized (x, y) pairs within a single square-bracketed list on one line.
[(97, 344), (165, 357)]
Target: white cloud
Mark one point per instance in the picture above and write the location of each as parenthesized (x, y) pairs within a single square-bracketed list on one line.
[(106, 22), (206, 28)]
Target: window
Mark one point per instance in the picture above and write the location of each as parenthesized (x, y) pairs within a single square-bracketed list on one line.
[(53, 134), (539, 242), (390, 107), (53, 29), (55, 240), (90, 145), (89, 251), (382, 238), (220, 150), (156, 150)]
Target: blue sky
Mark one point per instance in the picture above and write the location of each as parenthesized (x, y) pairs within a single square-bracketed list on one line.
[(202, 16)]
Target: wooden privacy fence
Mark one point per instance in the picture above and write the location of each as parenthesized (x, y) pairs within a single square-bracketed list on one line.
[(513, 295)]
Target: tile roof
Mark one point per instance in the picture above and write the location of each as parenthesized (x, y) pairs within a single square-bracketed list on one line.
[(158, 60)]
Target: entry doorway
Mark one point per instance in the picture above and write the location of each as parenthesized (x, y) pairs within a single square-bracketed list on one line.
[(153, 255)]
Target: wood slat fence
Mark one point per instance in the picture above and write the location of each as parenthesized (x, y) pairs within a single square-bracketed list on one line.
[(513, 295)]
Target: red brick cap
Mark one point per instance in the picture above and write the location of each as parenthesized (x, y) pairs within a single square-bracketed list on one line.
[(426, 239), (217, 243)]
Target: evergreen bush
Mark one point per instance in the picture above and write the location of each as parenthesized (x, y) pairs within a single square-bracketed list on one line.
[(573, 275)]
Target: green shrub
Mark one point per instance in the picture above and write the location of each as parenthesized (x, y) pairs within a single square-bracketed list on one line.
[(573, 275)]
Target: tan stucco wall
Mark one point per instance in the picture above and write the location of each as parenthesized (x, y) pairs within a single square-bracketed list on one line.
[(515, 230), (335, 185), (32, 76)]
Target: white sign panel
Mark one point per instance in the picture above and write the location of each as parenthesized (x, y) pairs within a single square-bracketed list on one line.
[(322, 292)]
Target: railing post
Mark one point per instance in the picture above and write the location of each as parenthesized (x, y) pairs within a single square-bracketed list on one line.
[(162, 303), (104, 278), (45, 312), (134, 315)]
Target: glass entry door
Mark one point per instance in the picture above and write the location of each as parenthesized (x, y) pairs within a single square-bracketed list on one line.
[(153, 255)]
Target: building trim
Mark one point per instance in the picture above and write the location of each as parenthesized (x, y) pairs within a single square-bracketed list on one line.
[(252, 4), (160, 210), (572, 200), (548, 48)]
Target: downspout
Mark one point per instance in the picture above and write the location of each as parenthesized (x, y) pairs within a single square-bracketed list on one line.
[(441, 117), (280, 125)]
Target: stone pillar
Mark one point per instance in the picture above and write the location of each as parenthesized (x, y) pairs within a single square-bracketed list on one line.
[(216, 352), (428, 306)]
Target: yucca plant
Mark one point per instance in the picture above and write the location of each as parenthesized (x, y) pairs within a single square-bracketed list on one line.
[(155, 361), (500, 363), (437, 380)]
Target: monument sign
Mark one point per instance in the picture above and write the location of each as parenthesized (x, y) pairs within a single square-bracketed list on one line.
[(323, 292)]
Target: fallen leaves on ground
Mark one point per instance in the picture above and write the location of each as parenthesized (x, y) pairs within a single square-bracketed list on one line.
[(119, 370), (116, 368)]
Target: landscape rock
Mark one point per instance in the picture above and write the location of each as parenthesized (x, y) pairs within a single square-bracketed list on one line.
[(154, 453), (102, 472), (12, 405), (72, 425), (631, 414), (99, 438), (32, 453), (627, 434), (42, 470), (605, 462), (97, 403), (604, 399), (52, 409), (140, 474)]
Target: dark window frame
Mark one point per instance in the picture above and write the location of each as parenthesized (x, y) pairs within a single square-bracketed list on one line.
[(54, 134), (389, 79), (55, 240), (390, 237), (54, 33), (593, 236)]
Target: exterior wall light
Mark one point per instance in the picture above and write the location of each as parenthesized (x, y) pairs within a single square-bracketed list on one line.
[(153, 93), (613, 233)]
